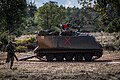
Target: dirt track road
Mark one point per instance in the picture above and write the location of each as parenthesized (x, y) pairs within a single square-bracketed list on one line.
[(106, 68)]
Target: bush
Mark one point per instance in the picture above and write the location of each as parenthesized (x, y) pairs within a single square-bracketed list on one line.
[(0, 45), (111, 47), (21, 49), (25, 41), (25, 44)]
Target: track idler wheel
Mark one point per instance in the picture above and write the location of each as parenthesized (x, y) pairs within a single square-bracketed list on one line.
[(39, 56), (88, 56), (59, 57), (79, 57), (68, 57), (49, 57)]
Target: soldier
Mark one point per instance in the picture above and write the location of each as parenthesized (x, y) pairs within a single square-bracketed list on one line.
[(10, 54)]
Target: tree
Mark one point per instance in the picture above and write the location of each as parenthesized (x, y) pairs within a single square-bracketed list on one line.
[(109, 12), (50, 15), (30, 19), (73, 16), (12, 15), (32, 9)]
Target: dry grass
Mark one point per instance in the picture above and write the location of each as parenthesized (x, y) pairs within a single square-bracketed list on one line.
[(35, 70)]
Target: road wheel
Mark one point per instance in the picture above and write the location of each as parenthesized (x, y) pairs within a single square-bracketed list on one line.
[(88, 56), (68, 57), (59, 57), (49, 57), (79, 57)]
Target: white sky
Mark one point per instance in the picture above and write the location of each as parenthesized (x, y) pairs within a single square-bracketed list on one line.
[(66, 3)]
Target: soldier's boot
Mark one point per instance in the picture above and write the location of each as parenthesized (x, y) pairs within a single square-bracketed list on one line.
[(11, 66)]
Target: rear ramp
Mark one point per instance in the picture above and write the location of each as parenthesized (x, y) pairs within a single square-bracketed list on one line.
[(27, 57)]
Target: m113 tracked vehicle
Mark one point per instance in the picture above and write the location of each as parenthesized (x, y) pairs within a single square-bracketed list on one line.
[(67, 45)]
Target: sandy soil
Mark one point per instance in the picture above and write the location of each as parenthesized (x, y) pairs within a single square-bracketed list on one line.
[(101, 69)]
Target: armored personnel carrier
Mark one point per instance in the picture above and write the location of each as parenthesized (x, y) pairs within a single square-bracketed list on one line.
[(67, 45)]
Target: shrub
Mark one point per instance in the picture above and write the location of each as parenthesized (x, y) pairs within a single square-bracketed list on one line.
[(0, 45), (112, 47), (31, 40), (25, 44), (25, 41), (21, 49)]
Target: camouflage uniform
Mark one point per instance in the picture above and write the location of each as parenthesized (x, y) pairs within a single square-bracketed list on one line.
[(10, 54)]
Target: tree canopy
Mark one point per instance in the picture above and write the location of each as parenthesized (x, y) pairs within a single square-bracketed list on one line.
[(12, 15), (50, 14), (108, 10), (101, 14)]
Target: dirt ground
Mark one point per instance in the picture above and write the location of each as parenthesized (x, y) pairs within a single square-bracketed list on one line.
[(105, 68)]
